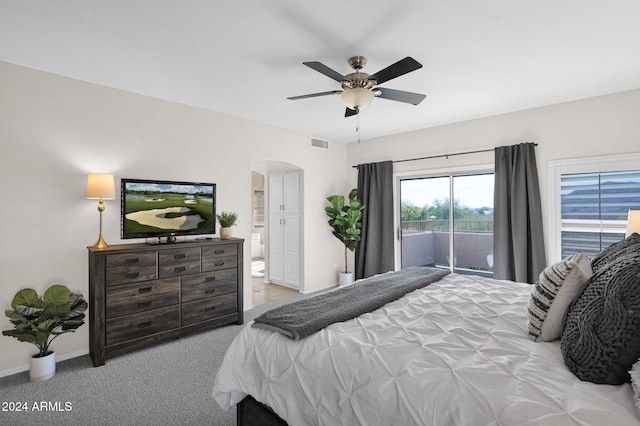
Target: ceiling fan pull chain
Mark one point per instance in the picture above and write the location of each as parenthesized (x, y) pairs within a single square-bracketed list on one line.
[(358, 126)]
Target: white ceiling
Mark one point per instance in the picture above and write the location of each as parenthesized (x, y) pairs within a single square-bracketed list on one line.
[(244, 57)]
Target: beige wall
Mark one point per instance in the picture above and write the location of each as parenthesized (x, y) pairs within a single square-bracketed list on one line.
[(54, 130), (592, 127)]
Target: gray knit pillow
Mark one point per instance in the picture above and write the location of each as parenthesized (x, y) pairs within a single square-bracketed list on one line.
[(601, 336), (557, 286), (628, 245)]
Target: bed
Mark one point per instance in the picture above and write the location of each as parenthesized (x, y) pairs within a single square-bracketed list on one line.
[(454, 352)]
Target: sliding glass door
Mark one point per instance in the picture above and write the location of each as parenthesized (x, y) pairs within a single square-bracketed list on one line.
[(436, 231)]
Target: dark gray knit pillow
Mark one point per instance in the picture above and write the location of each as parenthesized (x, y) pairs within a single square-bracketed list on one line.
[(601, 335), (628, 245)]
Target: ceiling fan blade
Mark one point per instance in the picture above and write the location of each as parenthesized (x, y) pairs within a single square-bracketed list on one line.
[(401, 96), (313, 95), (350, 112), (323, 69), (401, 67)]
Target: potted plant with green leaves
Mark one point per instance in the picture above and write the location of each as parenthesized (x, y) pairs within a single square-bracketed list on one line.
[(39, 320), (226, 220), (346, 221)]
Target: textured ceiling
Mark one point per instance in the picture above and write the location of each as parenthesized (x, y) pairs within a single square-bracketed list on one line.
[(244, 57)]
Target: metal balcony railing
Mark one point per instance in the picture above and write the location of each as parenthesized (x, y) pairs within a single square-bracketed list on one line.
[(443, 225)]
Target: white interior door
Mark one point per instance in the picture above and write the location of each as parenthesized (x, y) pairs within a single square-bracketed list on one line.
[(276, 193), (291, 239), (276, 249), (284, 229), (291, 192)]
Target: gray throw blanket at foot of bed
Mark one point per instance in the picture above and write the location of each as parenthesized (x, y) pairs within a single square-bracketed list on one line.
[(300, 319)]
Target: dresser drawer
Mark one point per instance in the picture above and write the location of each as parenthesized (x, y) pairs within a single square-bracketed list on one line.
[(137, 325), (177, 262), (206, 309), (196, 287), (130, 267), (137, 297), (221, 256)]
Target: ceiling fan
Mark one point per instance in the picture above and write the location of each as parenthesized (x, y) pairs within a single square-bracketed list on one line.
[(359, 88)]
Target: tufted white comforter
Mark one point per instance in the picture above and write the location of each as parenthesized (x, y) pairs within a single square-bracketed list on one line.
[(453, 353)]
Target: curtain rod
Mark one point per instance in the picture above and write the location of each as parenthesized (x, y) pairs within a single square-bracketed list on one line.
[(443, 155)]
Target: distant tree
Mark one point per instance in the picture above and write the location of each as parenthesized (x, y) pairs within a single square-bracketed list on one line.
[(410, 211), (440, 210)]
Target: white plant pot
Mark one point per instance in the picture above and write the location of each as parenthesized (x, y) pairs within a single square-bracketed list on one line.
[(345, 278), (42, 368), (225, 233)]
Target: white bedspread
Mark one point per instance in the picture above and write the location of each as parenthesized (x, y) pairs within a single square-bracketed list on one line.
[(453, 353)]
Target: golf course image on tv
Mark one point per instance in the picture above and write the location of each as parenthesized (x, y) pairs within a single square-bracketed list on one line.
[(152, 208)]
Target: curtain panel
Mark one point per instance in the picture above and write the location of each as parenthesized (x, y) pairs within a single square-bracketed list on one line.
[(518, 239), (374, 253)]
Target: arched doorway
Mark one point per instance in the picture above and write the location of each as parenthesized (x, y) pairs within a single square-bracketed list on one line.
[(277, 261)]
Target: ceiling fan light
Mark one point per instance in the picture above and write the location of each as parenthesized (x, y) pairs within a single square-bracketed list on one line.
[(357, 98)]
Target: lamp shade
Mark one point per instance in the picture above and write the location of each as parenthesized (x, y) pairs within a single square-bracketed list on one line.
[(99, 186), (633, 222), (357, 98)]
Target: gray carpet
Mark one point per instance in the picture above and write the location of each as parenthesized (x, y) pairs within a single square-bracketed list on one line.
[(168, 384)]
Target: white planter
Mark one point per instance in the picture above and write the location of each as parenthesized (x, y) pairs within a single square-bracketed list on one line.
[(345, 278), (42, 368), (225, 233)]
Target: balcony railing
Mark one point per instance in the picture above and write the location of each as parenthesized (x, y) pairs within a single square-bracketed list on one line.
[(443, 225)]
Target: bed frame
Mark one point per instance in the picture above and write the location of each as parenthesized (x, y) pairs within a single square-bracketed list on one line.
[(253, 413)]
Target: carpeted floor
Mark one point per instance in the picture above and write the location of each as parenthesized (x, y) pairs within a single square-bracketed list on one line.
[(168, 384)]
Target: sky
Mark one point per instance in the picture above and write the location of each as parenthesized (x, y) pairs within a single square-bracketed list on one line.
[(472, 191)]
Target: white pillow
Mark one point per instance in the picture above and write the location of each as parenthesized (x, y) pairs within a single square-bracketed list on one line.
[(635, 383), (556, 288)]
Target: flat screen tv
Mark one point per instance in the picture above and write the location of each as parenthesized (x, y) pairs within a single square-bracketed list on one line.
[(158, 208)]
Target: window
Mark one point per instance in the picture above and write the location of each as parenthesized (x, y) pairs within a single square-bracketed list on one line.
[(590, 199), (434, 231)]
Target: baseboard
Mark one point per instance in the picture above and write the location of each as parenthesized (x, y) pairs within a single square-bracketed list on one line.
[(319, 290), (25, 367)]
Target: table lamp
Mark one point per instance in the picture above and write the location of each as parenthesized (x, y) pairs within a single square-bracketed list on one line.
[(100, 187), (633, 222)]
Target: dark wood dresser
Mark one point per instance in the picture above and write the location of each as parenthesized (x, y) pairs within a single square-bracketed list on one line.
[(141, 294)]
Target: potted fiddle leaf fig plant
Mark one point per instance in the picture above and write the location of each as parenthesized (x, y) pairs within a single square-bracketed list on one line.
[(40, 320), (345, 220), (226, 220)]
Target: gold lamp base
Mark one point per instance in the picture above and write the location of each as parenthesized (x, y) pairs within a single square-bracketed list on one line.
[(100, 243)]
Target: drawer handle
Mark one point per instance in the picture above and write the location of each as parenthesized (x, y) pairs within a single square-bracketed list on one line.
[(210, 308), (179, 269), (145, 324), (132, 275), (209, 279), (132, 260), (219, 251), (219, 263), (144, 304), (211, 290), (145, 289), (180, 256)]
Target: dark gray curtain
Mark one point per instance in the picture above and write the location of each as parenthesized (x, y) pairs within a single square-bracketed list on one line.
[(518, 243), (374, 253)]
